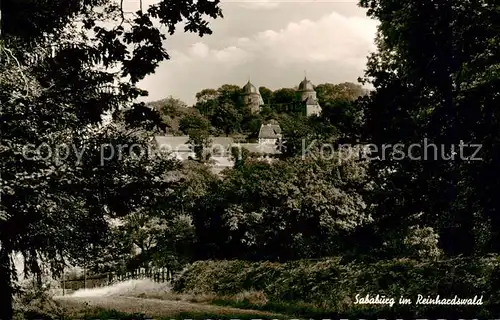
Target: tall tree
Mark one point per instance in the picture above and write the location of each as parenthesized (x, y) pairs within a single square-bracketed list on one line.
[(430, 83), (284, 96), (343, 91), (206, 95), (266, 94), (227, 118), (58, 78), (300, 208), (194, 121), (229, 93)]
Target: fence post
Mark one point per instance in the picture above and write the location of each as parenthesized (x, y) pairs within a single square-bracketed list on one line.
[(63, 282), (85, 275)]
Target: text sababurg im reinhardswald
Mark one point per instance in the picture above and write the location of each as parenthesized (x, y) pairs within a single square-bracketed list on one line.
[(378, 299)]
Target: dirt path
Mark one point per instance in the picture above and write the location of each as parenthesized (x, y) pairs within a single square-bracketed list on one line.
[(150, 307)]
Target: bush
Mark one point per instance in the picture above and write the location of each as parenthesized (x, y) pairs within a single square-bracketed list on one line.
[(332, 285), (34, 301)]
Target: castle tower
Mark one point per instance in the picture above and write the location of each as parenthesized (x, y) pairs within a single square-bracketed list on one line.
[(308, 96), (252, 97)]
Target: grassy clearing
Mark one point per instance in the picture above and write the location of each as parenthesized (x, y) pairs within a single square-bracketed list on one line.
[(103, 314), (130, 300), (247, 300), (155, 308), (108, 314)]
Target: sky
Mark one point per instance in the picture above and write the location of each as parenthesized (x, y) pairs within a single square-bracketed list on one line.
[(274, 43)]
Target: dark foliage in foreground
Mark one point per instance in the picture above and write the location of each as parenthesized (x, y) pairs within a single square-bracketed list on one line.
[(330, 286)]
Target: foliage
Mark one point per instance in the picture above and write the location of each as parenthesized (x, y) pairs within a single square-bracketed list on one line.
[(304, 209), (157, 242), (227, 118), (193, 122), (35, 302), (172, 111), (423, 243), (332, 285), (302, 134), (201, 142), (266, 94), (346, 91), (62, 67), (284, 96), (436, 78), (223, 108)]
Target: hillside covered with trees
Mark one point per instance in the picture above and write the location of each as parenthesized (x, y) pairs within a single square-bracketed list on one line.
[(221, 112)]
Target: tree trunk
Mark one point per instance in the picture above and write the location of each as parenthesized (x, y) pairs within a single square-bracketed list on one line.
[(6, 310), (85, 275), (63, 283)]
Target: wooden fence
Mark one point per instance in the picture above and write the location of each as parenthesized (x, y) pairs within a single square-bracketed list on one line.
[(105, 279)]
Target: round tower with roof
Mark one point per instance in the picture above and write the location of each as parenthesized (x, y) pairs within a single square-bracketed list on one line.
[(252, 97), (308, 96)]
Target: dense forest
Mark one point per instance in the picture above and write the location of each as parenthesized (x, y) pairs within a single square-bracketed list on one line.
[(435, 76)]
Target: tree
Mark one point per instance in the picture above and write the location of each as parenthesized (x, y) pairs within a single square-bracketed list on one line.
[(172, 111), (346, 91), (268, 112), (113, 254), (206, 95), (229, 93), (57, 80), (207, 108), (284, 96), (346, 116), (194, 121), (239, 156), (227, 118), (251, 124), (200, 143), (266, 94), (223, 107), (169, 106), (305, 133), (435, 78), (300, 208)]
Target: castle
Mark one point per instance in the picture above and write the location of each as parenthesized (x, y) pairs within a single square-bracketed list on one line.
[(269, 136), (253, 99)]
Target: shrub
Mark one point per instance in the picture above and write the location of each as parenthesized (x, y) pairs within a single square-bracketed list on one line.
[(332, 285), (34, 301)]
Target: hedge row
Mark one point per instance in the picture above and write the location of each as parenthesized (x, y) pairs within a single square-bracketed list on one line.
[(333, 285)]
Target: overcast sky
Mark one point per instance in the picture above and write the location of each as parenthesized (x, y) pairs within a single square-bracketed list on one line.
[(271, 42)]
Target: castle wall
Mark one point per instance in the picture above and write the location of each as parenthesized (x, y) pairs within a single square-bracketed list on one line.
[(313, 109), (254, 101), (306, 94)]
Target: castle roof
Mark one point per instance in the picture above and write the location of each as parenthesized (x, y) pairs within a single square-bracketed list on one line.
[(269, 131), (306, 85), (249, 88)]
